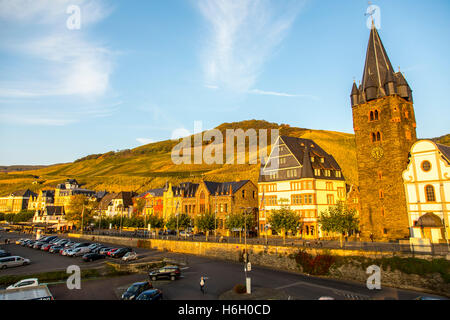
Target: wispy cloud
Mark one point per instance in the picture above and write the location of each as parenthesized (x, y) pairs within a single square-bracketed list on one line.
[(282, 94), (63, 62), (243, 35), (50, 12)]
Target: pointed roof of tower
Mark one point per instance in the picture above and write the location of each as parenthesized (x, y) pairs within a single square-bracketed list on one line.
[(355, 90), (377, 65)]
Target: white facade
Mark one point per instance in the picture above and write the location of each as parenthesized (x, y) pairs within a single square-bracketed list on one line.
[(427, 188), (116, 208)]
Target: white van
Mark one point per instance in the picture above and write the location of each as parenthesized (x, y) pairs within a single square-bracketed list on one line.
[(13, 261)]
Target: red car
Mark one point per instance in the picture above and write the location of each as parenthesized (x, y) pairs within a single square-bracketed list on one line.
[(111, 251), (45, 247)]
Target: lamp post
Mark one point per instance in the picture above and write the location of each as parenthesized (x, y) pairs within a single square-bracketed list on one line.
[(82, 218), (247, 264), (177, 214), (215, 221), (121, 217)]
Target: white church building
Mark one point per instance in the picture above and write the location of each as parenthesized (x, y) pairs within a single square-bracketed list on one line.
[(427, 188)]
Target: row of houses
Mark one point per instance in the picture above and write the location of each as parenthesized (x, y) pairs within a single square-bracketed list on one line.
[(298, 173), (305, 177)]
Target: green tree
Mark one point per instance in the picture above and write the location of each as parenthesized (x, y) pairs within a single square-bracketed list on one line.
[(2, 216), (339, 219), (239, 221), (140, 205), (155, 222), (184, 222), (283, 220), (9, 217), (206, 222), (80, 210)]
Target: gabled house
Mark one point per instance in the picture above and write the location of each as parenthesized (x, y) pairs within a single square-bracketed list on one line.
[(427, 187), (16, 201), (300, 174), (225, 198), (121, 204)]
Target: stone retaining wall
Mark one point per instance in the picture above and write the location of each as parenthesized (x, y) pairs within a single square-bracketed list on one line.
[(281, 258)]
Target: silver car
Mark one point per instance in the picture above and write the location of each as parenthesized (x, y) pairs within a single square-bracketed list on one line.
[(13, 261)]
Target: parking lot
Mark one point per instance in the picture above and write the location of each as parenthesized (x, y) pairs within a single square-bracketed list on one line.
[(220, 275), (42, 261)]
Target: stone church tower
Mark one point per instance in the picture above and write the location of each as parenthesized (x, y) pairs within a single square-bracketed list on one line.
[(385, 130)]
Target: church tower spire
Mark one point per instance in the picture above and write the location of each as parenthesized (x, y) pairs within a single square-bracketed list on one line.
[(385, 129), (379, 78)]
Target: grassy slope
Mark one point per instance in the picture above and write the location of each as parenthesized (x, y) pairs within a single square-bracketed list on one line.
[(150, 166)]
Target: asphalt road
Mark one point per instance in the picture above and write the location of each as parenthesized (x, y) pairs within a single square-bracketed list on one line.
[(221, 276)]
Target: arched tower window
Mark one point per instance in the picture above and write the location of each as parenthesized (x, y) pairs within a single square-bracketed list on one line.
[(371, 116), (429, 193), (378, 136), (376, 115)]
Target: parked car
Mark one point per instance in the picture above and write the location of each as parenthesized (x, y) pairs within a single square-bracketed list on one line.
[(25, 283), (120, 252), (65, 251), (61, 242), (4, 254), (70, 243), (98, 249), (81, 245), (151, 295), (77, 252), (26, 242), (13, 261), (130, 256), (46, 247), (20, 241), (136, 289), (168, 232), (31, 243), (55, 249), (428, 298), (48, 238), (185, 233), (92, 257), (104, 250), (110, 252), (38, 244), (171, 272)]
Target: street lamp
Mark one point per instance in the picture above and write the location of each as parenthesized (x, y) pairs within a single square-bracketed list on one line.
[(82, 218), (120, 206), (215, 221), (247, 264)]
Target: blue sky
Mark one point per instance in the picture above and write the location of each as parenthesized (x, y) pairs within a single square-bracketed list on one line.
[(138, 71)]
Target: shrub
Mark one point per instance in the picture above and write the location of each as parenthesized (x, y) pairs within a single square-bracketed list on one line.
[(240, 289), (318, 265)]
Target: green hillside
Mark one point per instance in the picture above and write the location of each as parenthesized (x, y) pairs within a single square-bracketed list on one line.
[(150, 166)]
